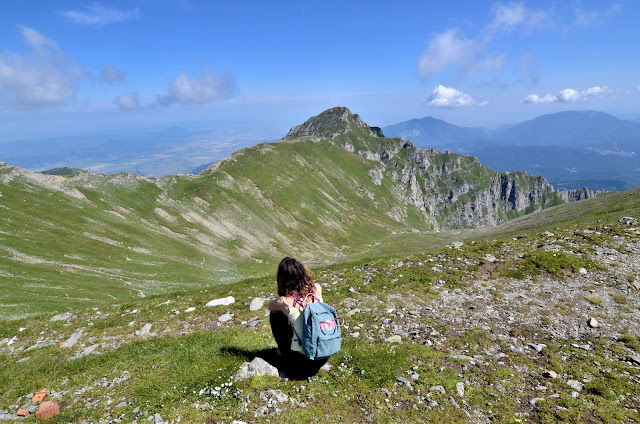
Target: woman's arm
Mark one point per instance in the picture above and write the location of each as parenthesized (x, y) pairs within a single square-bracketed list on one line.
[(277, 305), (318, 291)]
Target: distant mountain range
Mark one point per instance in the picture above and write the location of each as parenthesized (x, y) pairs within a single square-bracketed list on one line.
[(572, 149)]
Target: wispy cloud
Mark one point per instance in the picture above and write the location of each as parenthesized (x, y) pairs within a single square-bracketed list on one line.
[(110, 74), (590, 18), (40, 77), (98, 15), (567, 95), (128, 101), (453, 48), (449, 97), (210, 86)]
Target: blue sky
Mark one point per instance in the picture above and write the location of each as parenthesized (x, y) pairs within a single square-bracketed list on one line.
[(70, 68)]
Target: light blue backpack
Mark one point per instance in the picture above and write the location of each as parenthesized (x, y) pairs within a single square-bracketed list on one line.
[(321, 334)]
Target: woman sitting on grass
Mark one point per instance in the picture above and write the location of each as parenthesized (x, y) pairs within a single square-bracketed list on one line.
[(296, 289)]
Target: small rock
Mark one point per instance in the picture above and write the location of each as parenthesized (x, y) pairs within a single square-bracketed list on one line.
[(593, 323), (453, 402), (433, 404), (557, 408), (273, 396), (489, 258), (575, 384), (460, 388), (550, 374), (536, 400), (574, 394), (222, 301), (582, 271), (394, 339), (62, 317), (404, 381), (352, 290), (190, 309), (353, 312), (634, 359), (537, 347), (438, 389), (24, 359), (225, 317), (256, 303), (157, 419), (355, 334), (257, 367), (145, 330), (75, 337), (547, 234)]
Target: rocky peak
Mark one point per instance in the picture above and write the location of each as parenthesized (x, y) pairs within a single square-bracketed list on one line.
[(332, 123)]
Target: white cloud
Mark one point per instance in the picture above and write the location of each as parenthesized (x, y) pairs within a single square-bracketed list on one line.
[(590, 18), (511, 16), (38, 78), (453, 48), (567, 95), (448, 48), (99, 15), (111, 74), (128, 101), (449, 97), (36, 40), (208, 87)]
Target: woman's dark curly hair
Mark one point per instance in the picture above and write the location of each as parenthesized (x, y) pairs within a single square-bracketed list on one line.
[(293, 278)]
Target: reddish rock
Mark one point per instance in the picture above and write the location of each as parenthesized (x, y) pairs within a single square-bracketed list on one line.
[(47, 409), (440, 347), (39, 396), (22, 412)]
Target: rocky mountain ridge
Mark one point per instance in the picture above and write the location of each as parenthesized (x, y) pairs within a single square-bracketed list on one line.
[(451, 190)]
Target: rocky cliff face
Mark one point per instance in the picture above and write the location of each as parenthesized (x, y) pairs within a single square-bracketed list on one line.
[(450, 190)]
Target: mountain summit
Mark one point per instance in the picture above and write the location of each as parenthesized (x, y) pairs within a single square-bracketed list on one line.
[(332, 123)]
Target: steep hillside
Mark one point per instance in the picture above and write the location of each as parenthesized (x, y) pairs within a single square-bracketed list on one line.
[(536, 327), (340, 192)]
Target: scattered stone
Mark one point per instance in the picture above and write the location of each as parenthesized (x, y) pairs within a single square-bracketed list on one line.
[(157, 419), (469, 359), (405, 382), (593, 323), (24, 359), (353, 312), (352, 290), (440, 347), (145, 331), (574, 394), (238, 422), (75, 338), (355, 334), (438, 389), (433, 404), (537, 347), (225, 317), (22, 413), (222, 301), (393, 339), (627, 220), (536, 400), (190, 309), (47, 409), (39, 396), (547, 234), (550, 374), (634, 359), (273, 396), (557, 408), (581, 346), (575, 384), (490, 258), (61, 317), (460, 388), (256, 303), (453, 402), (583, 271), (255, 368)]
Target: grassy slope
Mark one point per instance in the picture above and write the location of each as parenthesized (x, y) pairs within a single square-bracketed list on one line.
[(191, 352)]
